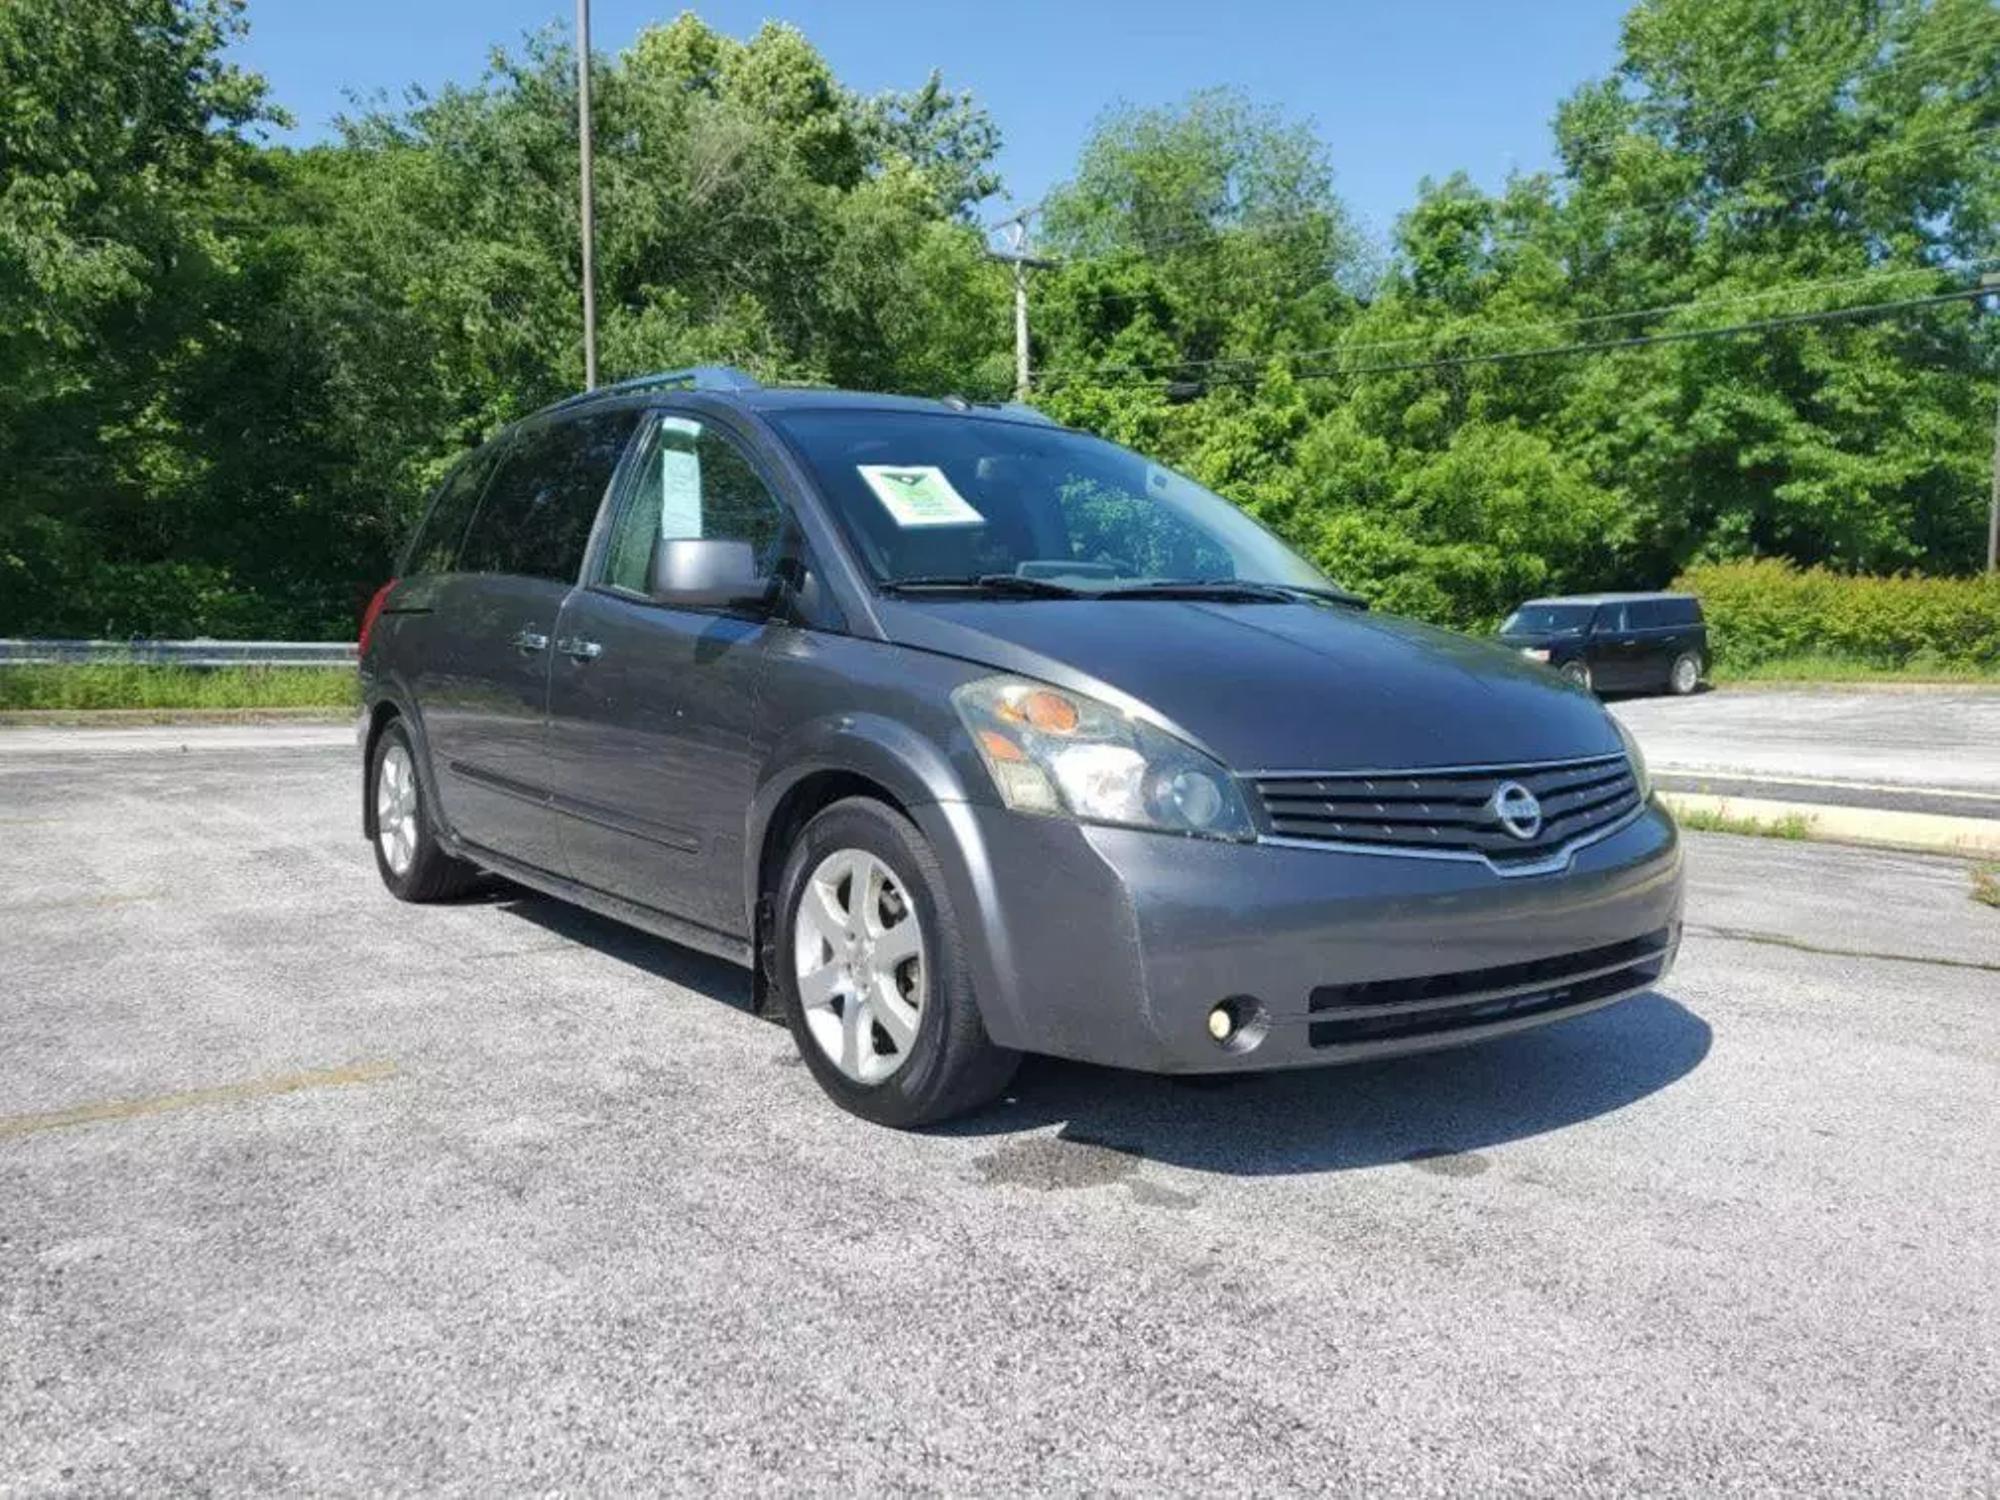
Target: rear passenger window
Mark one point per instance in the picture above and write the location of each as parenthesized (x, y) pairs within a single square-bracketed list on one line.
[(538, 511), (1648, 614), (434, 549)]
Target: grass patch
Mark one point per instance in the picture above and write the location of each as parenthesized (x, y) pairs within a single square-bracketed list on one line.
[(1986, 885), (1721, 820), (1828, 668), (127, 685)]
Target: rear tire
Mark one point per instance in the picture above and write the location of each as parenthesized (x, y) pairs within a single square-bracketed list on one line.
[(1684, 676), (1578, 672), (872, 974), (411, 862)]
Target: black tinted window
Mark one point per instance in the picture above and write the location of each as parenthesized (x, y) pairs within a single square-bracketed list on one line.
[(1647, 614), (692, 482), (1684, 611), (538, 511), (434, 549), (1547, 619)]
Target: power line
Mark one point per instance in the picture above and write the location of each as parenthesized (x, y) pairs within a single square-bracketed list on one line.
[(1637, 341), (1703, 304)]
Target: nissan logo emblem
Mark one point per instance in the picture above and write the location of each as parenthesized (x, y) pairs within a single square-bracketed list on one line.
[(1515, 809)]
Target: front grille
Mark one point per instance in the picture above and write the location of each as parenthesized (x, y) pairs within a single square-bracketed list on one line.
[(1381, 1010), (1449, 811)]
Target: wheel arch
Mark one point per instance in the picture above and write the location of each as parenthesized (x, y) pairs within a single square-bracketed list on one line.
[(853, 755), (382, 712), (380, 715)]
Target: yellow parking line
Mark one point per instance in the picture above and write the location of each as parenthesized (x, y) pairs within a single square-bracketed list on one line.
[(228, 1093)]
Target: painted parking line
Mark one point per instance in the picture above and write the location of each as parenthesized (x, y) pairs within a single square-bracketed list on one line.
[(227, 1093)]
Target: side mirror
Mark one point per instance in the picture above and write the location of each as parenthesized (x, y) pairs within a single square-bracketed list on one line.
[(707, 573)]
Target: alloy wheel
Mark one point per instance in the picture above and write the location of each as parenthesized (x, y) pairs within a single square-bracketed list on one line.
[(396, 808), (858, 964)]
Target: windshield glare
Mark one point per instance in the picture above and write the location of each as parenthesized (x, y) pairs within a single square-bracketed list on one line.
[(957, 497), (1547, 619)]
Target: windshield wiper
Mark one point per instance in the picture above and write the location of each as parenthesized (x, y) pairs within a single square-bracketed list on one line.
[(981, 583), (1241, 589)]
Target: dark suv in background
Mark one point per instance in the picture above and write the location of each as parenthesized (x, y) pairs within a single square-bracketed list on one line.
[(973, 736), (1616, 642)]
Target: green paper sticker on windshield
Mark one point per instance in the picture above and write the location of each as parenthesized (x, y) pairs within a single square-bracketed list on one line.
[(919, 495)]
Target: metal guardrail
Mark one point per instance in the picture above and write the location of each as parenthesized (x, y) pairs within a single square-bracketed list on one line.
[(198, 653)]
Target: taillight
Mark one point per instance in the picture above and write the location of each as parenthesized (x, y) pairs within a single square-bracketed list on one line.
[(370, 614)]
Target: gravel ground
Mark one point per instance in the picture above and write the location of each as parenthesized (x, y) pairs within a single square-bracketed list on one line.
[(305, 1190)]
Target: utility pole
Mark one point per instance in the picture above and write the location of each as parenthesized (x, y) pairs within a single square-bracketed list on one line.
[(1022, 373), (1993, 502), (589, 196), (1016, 254), (1991, 282)]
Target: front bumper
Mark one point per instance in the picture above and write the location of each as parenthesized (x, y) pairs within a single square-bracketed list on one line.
[(1113, 945)]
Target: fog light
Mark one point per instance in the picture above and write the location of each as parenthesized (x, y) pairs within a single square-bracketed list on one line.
[(1221, 1023)]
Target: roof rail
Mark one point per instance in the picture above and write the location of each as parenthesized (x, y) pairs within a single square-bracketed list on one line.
[(693, 378), (1028, 413)]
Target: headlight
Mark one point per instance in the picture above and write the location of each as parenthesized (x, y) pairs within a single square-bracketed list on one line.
[(1535, 653), (1635, 755), (1062, 754)]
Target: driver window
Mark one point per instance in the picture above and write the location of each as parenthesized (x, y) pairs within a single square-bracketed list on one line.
[(692, 482)]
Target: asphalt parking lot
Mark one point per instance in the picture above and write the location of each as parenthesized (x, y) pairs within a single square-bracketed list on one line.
[(301, 1188), (1929, 748)]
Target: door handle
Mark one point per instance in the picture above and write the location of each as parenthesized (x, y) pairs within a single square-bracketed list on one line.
[(529, 641), (580, 650)]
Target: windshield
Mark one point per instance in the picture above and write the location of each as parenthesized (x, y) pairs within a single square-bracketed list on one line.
[(931, 499), (1548, 619)]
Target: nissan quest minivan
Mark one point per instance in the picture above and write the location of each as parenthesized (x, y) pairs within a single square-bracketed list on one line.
[(972, 736)]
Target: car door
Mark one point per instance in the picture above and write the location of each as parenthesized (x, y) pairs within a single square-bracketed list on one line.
[(1652, 627), (1679, 632), (482, 687), (655, 738), (1613, 646)]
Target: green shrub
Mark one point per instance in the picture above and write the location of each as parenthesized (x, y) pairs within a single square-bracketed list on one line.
[(135, 685), (1766, 610)]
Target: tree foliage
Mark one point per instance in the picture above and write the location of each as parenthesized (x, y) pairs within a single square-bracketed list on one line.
[(229, 370)]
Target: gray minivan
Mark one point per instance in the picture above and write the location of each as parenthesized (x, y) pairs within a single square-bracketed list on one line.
[(972, 735)]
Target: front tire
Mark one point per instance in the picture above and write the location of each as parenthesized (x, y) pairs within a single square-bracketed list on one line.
[(1684, 676), (411, 862), (872, 972), (1578, 672)]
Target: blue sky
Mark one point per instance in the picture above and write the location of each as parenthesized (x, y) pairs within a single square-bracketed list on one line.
[(1397, 88)]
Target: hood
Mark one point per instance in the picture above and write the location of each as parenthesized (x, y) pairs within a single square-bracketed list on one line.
[(1279, 686)]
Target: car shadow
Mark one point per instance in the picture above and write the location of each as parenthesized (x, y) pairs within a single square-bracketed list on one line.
[(1436, 1110), (713, 978)]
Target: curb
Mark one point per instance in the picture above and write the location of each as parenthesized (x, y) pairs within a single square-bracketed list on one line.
[(1928, 833), (1886, 686)]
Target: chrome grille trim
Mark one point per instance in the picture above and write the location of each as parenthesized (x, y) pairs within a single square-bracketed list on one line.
[(1433, 812)]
